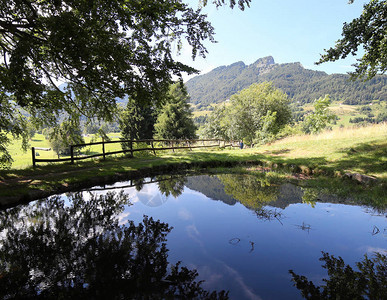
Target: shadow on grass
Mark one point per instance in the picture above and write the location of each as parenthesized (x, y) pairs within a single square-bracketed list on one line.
[(366, 158), (370, 158), (276, 152)]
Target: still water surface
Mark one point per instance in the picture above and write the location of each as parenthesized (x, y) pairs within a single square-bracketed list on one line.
[(241, 234)]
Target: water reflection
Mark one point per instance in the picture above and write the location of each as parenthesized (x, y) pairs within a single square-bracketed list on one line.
[(369, 282), (236, 232), (77, 249)]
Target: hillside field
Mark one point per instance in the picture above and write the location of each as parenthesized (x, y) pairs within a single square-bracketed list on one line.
[(355, 149)]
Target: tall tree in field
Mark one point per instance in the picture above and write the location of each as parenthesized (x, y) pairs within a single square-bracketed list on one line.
[(369, 31), (175, 118), (258, 111), (137, 120), (104, 49)]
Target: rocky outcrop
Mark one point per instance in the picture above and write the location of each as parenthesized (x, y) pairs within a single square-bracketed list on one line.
[(364, 179)]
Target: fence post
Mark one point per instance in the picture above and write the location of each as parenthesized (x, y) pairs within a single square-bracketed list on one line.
[(72, 154), (131, 148), (103, 149), (189, 144), (154, 152), (33, 157), (173, 150)]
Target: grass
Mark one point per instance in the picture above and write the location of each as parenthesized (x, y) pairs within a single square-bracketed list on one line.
[(362, 150), (23, 160)]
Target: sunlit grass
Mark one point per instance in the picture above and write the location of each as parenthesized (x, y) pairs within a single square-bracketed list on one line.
[(335, 152), (356, 144)]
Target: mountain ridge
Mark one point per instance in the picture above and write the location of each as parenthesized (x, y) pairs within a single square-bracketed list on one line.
[(302, 85)]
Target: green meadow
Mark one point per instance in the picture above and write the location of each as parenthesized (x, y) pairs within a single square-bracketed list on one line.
[(331, 154)]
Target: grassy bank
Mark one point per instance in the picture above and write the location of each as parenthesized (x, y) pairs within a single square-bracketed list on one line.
[(357, 149), (332, 153)]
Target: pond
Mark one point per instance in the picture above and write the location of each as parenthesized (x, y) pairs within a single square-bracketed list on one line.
[(238, 234)]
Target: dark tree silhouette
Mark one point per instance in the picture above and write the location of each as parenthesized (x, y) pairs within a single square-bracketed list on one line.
[(370, 282), (53, 249), (171, 185)]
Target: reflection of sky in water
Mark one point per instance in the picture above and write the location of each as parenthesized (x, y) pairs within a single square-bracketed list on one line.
[(234, 250)]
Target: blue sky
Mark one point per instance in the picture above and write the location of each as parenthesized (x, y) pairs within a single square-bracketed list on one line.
[(290, 31)]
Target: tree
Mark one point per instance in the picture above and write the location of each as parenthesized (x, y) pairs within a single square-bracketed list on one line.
[(137, 120), (175, 118), (12, 124), (254, 107), (254, 114), (110, 48), (251, 191), (370, 282), (171, 185), (68, 133), (368, 31), (103, 49), (217, 124), (320, 117), (79, 249), (241, 3)]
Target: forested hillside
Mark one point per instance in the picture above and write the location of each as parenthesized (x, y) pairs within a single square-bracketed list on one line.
[(299, 83)]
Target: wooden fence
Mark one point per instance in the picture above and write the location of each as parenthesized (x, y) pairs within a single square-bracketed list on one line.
[(152, 145)]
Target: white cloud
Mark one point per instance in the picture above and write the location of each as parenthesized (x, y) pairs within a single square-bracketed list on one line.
[(371, 250), (184, 215)]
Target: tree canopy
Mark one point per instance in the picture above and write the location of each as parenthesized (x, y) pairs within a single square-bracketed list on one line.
[(110, 48), (256, 114), (99, 50), (137, 120), (175, 118), (368, 31)]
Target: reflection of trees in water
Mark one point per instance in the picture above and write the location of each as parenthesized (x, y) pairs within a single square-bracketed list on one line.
[(169, 185), (253, 192), (53, 250), (370, 282), (310, 196)]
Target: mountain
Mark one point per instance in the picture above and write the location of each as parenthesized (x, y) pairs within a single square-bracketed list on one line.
[(300, 84), (210, 186)]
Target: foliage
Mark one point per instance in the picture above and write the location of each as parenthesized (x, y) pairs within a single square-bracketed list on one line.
[(232, 3), (320, 117), (171, 185), (101, 49), (222, 82), (137, 121), (255, 114), (380, 117), (252, 191), (300, 84), (79, 250), (61, 137), (370, 282), (368, 31), (110, 48), (217, 125), (12, 123), (174, 120)]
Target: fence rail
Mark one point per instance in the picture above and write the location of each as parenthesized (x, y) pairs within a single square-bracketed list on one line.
[(165, 145)]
